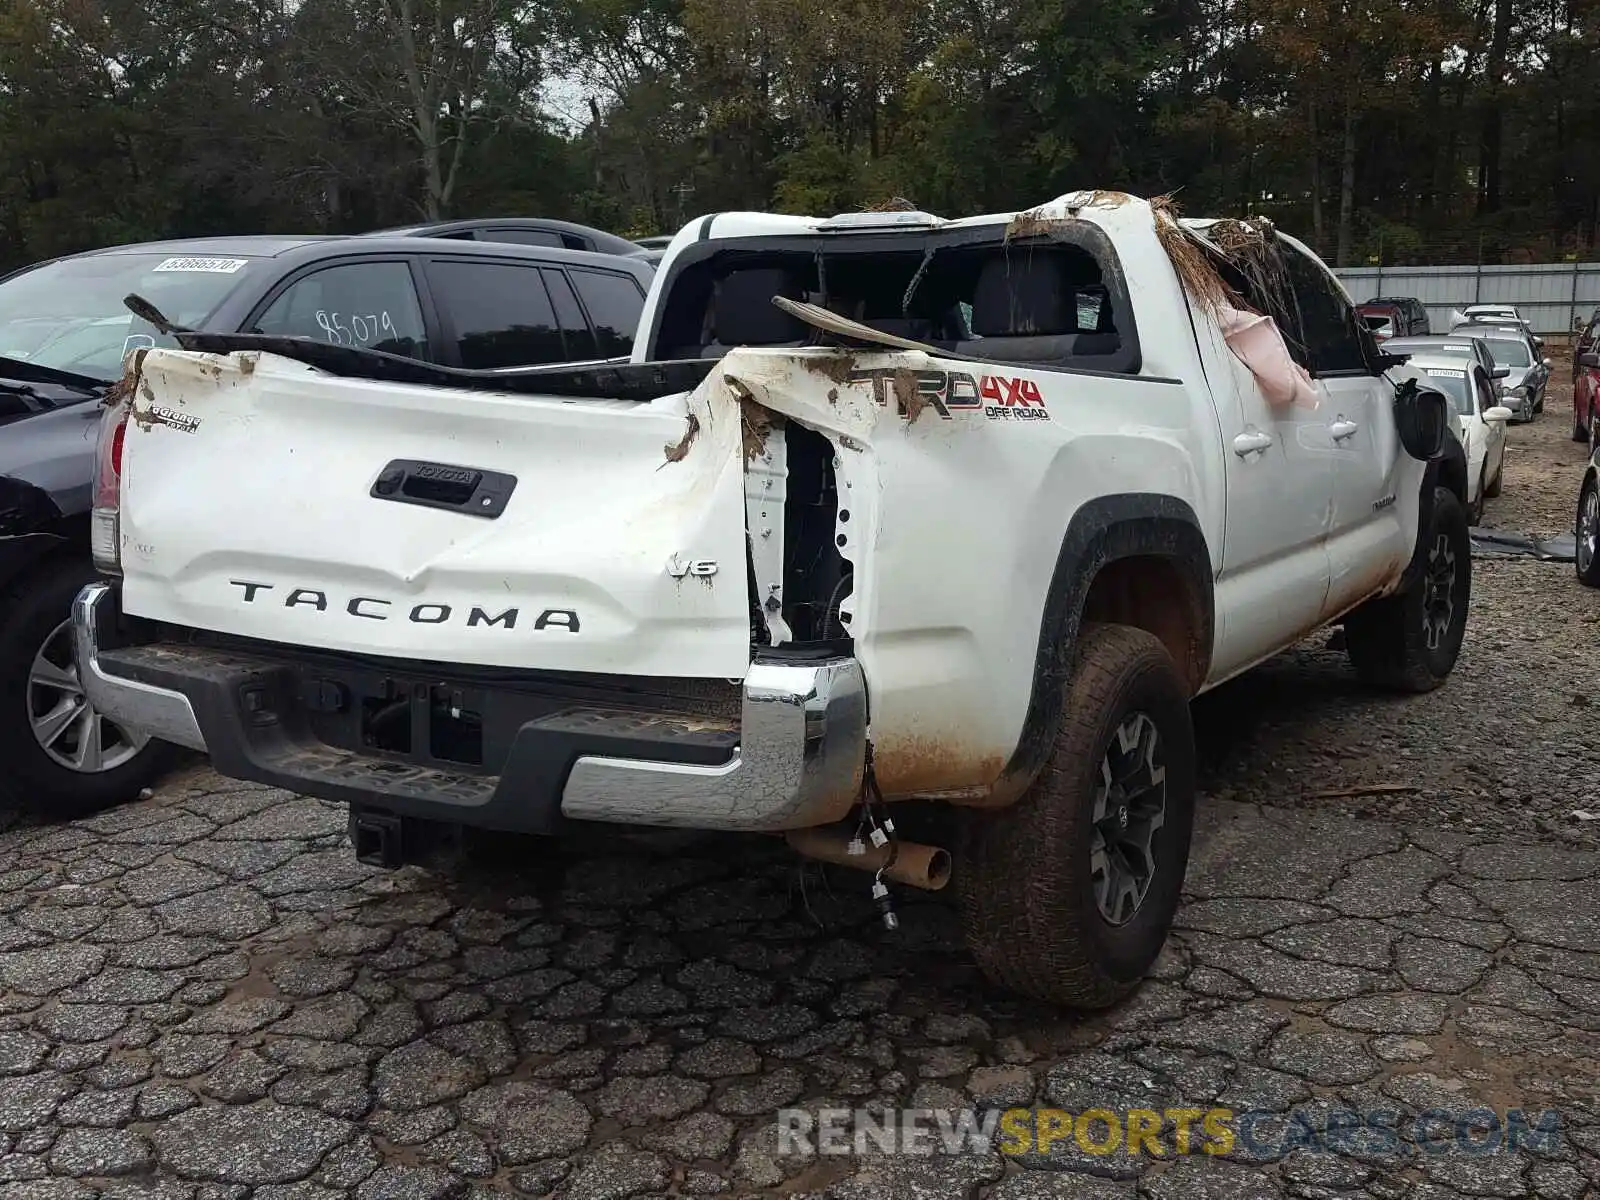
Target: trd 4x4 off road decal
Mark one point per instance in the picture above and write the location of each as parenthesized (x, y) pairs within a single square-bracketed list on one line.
[(999, 397)]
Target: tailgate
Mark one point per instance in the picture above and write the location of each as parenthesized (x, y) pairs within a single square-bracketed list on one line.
[(266, 499)]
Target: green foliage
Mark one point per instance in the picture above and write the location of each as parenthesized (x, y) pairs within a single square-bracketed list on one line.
[(1408, 131)]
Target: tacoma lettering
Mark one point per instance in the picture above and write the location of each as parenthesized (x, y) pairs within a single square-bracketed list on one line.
[(354, 608), (371, 608)]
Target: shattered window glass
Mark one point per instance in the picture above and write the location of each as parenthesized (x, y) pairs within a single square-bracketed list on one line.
[(1043, 300), (1327, 321)]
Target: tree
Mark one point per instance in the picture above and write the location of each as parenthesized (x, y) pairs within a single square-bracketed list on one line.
[(1417, 129), (438, 71)]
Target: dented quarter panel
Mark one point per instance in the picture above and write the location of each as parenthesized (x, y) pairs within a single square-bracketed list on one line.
[(271, 486), (53, 451), (955, 524), (954, 528)]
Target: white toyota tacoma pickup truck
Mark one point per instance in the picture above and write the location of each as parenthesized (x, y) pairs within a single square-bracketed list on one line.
[(885, 508)]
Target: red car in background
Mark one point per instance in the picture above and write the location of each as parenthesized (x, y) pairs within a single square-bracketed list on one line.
[(1586, 397), (1588, 339), (1394, 316)]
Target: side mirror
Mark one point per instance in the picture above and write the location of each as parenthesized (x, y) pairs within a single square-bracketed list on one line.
[(1499, 414), (1546, 363), (1499, 372), (1421, 415), (1590, 359)]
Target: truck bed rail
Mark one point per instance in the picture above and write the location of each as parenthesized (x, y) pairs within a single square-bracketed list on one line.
[(639, 382)]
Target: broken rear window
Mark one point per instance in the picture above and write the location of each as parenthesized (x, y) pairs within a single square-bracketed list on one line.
[(1054, 300)]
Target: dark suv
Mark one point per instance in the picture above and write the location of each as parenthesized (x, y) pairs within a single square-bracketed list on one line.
[(522, 231), (1394, 316), (64, 333)]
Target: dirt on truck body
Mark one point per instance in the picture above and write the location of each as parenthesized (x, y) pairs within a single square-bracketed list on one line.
[(886, 508)]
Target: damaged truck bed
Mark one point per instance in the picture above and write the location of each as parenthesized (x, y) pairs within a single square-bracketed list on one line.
[(886, 508)]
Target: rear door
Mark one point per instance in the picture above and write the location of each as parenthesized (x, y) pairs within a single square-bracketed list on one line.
[(1366, 539), (576, 333), (496, 314), (614, 302), (1278, 476)]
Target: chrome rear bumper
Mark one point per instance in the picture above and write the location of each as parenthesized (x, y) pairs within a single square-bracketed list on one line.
[(799, 760)]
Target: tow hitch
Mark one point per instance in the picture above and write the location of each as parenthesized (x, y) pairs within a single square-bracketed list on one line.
[(377, 838)]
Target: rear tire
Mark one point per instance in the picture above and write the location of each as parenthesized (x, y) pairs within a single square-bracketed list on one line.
[(1409, 642), (38, 689), (1587, 531), (1068, 895)]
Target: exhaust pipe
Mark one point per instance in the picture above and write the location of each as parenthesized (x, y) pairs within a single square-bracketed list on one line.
[(915, 865)]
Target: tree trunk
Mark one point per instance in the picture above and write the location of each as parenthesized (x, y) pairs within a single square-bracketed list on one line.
[(1458, 101), (433, 169), (1435, 181), (594, 124), (1493, 135), (333, 199), (1347, 182), (1318, 226)]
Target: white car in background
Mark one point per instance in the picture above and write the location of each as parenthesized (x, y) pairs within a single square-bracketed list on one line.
[(1480, 421), (1496, 311), (1494, 314), (1458, 346)]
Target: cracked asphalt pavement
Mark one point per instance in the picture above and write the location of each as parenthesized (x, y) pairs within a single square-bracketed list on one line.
[(203, 995)]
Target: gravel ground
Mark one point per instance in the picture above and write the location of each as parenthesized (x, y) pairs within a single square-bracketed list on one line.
[(203, 996)]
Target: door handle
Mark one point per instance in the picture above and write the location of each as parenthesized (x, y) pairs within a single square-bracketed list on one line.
[(1250, 441), (466, 490), (1342, 429)]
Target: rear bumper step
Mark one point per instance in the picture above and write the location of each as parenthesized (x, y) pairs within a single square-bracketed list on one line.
[(489, 757)]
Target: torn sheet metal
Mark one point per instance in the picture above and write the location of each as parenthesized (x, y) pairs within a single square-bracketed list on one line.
[(843, 327)]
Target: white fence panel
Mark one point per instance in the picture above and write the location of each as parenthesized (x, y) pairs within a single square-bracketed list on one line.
[(1551, 295)]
